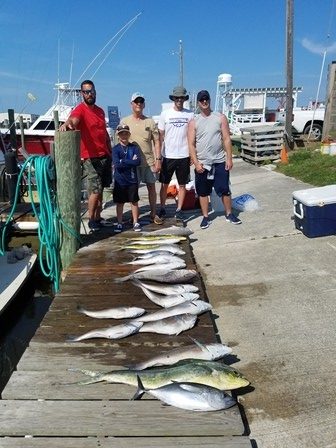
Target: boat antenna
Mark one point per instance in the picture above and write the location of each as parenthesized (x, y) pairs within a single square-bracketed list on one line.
[(58, 61), (122, 32), (322, 67), (71, 65)]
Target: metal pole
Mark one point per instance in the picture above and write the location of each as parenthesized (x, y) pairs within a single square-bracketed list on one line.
[(289, 143), (181, 62)]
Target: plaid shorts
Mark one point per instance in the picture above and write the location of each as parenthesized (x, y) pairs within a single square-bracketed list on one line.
[(99, 173)]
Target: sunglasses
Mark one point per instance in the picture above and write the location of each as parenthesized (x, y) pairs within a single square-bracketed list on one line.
[(139, 101), (205, 98), (87, 92), (179, 98)]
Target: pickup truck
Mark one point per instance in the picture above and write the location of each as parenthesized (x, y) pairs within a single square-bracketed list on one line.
[(302, 119)]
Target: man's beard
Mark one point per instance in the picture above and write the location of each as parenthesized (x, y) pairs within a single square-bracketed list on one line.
[(90, 101)]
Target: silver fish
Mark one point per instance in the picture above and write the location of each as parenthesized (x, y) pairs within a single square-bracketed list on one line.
[(167, 290), (208, 352), (172, 230), (158, 241), (159, 258), (122, 312), (177, 264), (171, 248), (115, 332), (153, 254), (161, 276), (189, 396), (166, 301), (173, 325), (196, 307)]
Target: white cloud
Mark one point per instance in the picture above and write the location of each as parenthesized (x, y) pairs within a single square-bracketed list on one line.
[(318, 48)]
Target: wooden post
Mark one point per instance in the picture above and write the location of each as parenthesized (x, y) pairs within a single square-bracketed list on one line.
[(68, 182), (329, 124), (12, 133), (289, 142)]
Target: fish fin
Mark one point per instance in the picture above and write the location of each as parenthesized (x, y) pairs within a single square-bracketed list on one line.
[(140, 391)]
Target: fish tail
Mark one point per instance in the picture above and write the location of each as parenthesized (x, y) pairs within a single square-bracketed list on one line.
[(123, 279), (95, 377), (117, 248), (140, 391), (72, 338), (80, 309), (91, 373)]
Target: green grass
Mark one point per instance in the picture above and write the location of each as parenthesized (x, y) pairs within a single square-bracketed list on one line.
[(311, 167)]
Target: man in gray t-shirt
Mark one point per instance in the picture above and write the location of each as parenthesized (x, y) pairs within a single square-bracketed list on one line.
[(210, 151)]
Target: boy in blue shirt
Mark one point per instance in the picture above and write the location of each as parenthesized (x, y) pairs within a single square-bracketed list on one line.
[(125, 158)]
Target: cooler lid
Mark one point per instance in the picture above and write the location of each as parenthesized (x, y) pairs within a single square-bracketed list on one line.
[(316, 196)]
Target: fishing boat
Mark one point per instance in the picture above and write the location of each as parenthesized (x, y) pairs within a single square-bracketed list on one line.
[(13, 275), (39, 137)]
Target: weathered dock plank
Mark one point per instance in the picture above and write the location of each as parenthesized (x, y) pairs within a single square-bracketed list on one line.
[(119, 442), (112, 418)]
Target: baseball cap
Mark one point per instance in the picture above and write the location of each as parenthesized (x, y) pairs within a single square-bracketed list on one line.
[(137, 95), (203, 94), (123, 128)]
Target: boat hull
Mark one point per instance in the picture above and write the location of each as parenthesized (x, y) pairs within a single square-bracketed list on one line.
[(13, 277)]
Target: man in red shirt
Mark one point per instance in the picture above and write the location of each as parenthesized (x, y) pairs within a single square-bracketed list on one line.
[(95, 149)]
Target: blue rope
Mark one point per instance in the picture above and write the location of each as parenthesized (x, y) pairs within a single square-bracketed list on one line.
[(42, 169)]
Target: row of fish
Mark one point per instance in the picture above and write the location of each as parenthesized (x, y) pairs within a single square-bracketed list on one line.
[(188, 377)]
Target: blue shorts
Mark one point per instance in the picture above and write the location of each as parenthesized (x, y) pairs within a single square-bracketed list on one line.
[(220, 181)]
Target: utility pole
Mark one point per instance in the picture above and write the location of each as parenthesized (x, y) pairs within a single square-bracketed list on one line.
[(181, 62), (289, 143)]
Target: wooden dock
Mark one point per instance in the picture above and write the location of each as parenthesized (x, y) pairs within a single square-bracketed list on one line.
[(42, 406)]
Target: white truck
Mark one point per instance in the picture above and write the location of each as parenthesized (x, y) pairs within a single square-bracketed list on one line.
[(302, 119)]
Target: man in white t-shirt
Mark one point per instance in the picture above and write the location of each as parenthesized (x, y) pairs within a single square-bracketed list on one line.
[(173, 129)]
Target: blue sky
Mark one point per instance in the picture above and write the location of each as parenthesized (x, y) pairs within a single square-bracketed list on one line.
[(245, 38)]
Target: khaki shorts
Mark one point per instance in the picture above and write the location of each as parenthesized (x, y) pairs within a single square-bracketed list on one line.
[(99, 173), (146, 175)]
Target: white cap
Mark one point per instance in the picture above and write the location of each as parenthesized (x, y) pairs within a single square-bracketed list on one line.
[(137, 95)]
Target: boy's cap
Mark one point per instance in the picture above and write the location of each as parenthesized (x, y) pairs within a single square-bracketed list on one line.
[(123, 128)]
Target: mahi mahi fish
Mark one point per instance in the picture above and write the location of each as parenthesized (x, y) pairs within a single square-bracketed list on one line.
[(167, 301), (171, 248), (161, 276), (115, 332), (211, 373), (173, 325), (208, 352), (192, 397), (122, 312), (196, 307), (167, 289), (172, 230)]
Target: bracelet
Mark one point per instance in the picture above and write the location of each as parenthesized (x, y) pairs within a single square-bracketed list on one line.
[(158, 158)]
